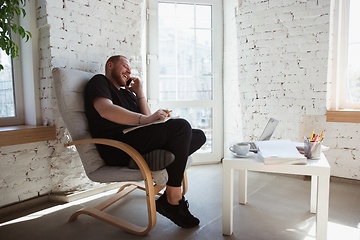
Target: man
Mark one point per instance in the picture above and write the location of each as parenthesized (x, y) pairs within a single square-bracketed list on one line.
[(111, 106)]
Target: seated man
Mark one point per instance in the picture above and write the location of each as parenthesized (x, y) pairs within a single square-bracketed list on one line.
[(111, 106)]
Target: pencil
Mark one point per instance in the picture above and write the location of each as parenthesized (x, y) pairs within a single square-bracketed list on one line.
[(311, 137), (321, 136)]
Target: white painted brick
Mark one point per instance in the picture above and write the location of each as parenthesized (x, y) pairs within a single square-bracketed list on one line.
[(56, 4), (70, 27), (58, 12), (60, 62), (84, 2), (71, 5), (57, 42), (79, 18)]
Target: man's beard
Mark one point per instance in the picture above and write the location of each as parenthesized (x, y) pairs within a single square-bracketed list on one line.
[(115, 74)]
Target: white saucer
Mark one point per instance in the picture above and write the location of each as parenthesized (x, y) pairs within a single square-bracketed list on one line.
[(250, 154)]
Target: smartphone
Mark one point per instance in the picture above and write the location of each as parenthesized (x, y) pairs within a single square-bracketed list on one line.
[(128, 82)]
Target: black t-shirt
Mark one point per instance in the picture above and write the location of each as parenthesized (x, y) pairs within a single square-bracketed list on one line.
[(100, 86)]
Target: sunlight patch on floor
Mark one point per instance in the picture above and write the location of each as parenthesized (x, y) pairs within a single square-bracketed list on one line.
[(58, 208), (336, 231)]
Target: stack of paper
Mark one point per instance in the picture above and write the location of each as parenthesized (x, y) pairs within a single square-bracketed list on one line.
[(279, 152)]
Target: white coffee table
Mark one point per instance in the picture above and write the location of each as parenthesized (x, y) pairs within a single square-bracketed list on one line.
[(320, 178)]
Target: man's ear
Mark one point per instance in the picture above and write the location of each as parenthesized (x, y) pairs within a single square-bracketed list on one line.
[(110, 65)]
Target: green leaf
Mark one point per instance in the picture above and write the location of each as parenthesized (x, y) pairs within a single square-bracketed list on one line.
[(17, 10), (1, 67), (8, 10), (14, 28), (21, 31)]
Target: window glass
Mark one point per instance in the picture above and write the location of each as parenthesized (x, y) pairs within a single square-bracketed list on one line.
[(7, 103), (353, 57), (185, 52), (200, 118)]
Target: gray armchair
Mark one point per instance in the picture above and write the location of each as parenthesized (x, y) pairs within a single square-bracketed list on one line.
[(69, 88)]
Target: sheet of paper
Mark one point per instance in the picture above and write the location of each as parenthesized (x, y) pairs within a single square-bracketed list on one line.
[(278, 149)]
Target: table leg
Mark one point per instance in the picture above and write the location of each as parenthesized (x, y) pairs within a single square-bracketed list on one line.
[(242, 186), (314, 190), (322, 207), (228, 198)]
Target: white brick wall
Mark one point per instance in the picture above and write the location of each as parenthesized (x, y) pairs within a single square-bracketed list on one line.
[(87, 33), (282, 61), (232, 108), (77, 35)]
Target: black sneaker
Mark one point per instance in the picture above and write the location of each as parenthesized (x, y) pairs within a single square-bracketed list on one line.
[(179, 214), (157, 160)]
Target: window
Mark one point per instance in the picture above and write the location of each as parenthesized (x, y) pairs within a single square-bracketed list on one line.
[(345, 89), (351, 96), (22, 107), (344, 65), (25, 75), (7, 103), (11, 102), (185, 67)]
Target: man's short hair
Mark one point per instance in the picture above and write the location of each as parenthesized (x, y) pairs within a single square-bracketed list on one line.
[(114, 59)]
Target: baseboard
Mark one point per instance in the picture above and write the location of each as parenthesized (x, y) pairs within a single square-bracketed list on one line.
[(345, 180), (20, 206), (62, 198), (70, 197)]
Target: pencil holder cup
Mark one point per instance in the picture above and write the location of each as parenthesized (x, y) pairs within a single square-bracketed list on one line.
[(312, 149)]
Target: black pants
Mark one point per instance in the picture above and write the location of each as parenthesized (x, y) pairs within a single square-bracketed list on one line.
[(175, 135)]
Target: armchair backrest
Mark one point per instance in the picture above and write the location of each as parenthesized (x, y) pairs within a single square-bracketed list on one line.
[(69, 88)]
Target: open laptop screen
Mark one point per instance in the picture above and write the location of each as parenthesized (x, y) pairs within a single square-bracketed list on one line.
[(269, 129)]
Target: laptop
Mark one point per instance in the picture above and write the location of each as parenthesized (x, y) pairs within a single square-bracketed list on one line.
[(266, 134)]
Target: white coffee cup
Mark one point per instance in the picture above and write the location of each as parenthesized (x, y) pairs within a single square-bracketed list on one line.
[(240, 148)]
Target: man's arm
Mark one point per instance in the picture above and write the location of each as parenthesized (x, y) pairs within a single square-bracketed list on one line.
[(114, 113), (136, 88)]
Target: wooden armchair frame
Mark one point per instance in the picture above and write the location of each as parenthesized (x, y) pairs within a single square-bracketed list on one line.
[(148, 186)]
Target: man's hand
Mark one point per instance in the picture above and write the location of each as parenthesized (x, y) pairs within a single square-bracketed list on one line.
[(159, 114), (135, 86)]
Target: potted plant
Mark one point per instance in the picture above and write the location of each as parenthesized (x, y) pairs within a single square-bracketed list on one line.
[(8, 10)]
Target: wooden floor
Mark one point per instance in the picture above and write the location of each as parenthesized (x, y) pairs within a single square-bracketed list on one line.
[(277, 208)]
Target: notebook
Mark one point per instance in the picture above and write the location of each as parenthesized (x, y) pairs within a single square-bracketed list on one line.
[(266, 134)]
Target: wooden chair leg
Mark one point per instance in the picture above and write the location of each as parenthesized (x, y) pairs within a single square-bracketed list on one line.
[(151, 191), (97, 211)]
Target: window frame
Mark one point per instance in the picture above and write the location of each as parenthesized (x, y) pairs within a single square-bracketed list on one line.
[(18, 119), (153, 75), (32, 131), (338, 110), (28, 84)]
